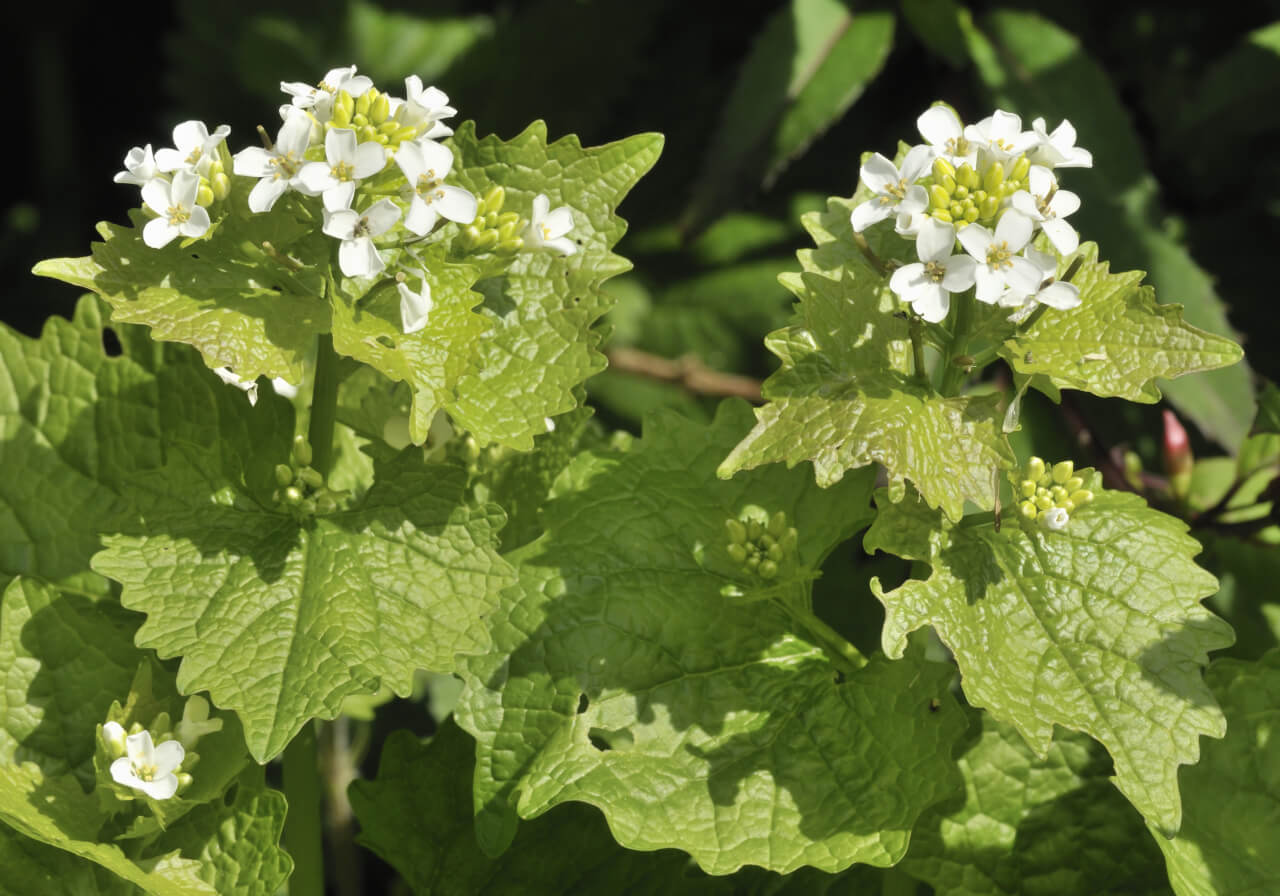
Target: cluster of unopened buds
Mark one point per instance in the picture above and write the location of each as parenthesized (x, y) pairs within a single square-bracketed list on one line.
[(991, 187), (139, 763), (762, 548), (1049, 495), (302, 490), (373, 162)]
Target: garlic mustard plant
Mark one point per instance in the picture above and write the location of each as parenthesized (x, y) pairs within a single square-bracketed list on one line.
[(146, 766)]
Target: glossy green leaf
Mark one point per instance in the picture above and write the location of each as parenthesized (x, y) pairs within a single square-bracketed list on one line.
[(1032, 825), (1118, 341), (542, 308), (626, 675), (1231, 838), (1098, 628), (1268, 416), (280, 619)]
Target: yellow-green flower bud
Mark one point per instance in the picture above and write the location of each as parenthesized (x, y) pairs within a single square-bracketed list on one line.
[(753, 562), (1062, 471), (789, 540), (994, 177), (364, 101), (408, 132), (943, 170), (737, 531), (311, 477), (1074, 484), (486, 240), (1035, 469), (359, 120), (988, 207), (943, 215), (956, 209), (1028, 509), (387, 128), (492, 201), (308, 506), (968, 177), (938, 197), (511, 246), (778, 524), (204, 195), (1020, 169), (775, 553), (1027, 488), (768, 569), (302, 450), (960, 191), (343, 108), (293, 495), (1083, 496), (979, 196), (949, 184), (767, 541), (737, 552), (971, 213), (1044, 502), (754, 529), (1059, 494), (221, 185), (284, 474), (380, 108), (1068, 505)]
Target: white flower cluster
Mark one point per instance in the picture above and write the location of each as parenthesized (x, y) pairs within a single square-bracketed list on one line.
[(990, 186), (337, 140)]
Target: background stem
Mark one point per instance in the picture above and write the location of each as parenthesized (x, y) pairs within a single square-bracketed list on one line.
[(953, 374), (303, 837)]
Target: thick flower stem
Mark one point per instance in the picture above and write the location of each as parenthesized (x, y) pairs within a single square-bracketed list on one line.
[(324, 406), (303, 835), (842, 654), (916, 329), (953, 374)]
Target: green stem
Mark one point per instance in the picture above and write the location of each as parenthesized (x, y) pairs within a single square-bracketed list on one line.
[(953, 374), (324, 406), (303, 835), (838, 648), (916, 328)]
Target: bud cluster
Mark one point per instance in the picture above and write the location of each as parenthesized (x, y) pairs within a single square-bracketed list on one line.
[(493, 230), (762, 549), (302, 490), (156, 759), (1048, 495)]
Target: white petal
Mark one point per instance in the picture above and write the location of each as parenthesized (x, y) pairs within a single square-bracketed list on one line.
[(356, 86), (197, 224), (169, 756), (339, 196), (558, 222), (939, 124), (1076, 157), (284, 389), (916, 200), (295, 134), (370, 158), (190, 135), (1064, 135), (541, 205), (936, 240), (421, 217), (340, 224), (437, 131), (298, 90), (932, 303), (869, 213), (907, 279), (122, 773), (1025, 203), (878, 173), (1040, 179), (1064, 203), (253, 161), (1047, 264), (359, 258), (265, 193), (409, 158), (113, 731), (1062, 235), (140, 748), (989, 284), (1023, 276), (563, 246), (1055, 519), (382, 216), (155, 193), (159, 788), (159, 233), (1062, 296), (1015, 229), (916, 162), (317, 177), (170, 159), (976, 240), (458, 204), (436, 156), (415, 307), (959, 275), (339, 145)]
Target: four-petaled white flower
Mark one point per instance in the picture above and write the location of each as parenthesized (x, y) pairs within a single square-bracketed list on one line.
[(425, 166), (928, 283), (423, 108), (548, 228), (277, 167), (175, 202), (319, 98), (1055, 519), (999, 267), (357, 256), (1052, 292), (942, 130), (1047, 206), (897, 192), (1000, 134), (149, 767), (139, 167), (195, 148), (1058, 149), (347, 161), (415, 307)]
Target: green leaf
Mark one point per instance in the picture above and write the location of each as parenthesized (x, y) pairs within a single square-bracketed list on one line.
[(808, 65), (842, 398), (33, 867), (69, 658), (75, 423), (541, 346), (1031, 66), (1026, 821), (1229, 842), (390, 44), (1097, 628), (1118, 341), (1247, 573), (221, 294), (417, 816), (1268, 416), (936, 24), (625, 676), (280, 619)]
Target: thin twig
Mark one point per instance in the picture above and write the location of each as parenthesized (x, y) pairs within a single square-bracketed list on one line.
[(687, 372)]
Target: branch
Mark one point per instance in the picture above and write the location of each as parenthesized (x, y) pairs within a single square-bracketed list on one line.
[(688, 372)]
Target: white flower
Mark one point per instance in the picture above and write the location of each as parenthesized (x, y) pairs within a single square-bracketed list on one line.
[(415, 307), (424, 108), (277, 167), (320, 98), (928, 283), (548, 227), (149, 768), (196, 147), (1058, 149), (1047, 206), (942, 130), (175, 202), (195, 722), (248, 387), (347, 161), (909, 224), (1054, 293), (113, 736), (140, 167), (425, 166), (1001, 134), (284, 388), (896, 192), (357, 256), (1054, 519), (1000, 268)]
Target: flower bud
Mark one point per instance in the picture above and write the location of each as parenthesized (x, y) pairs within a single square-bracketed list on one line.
[(988, 207), (754, 529), (184, 781), (113, 737), (1083, 496), (311, 477), (325, 503), (293, 495), (994, 177), (1044, 502), (1074, 484), (380, 108), (971, 214), (1178, 459), (943, 215), (1035, 469), (737, 553), (938, 197), (343, 108), (968, 177), (508, 230), (774, 553), (1026, 487), (204, 195), (221, 185), (1020, 169), (284, 474), (753, 562), (737, 531), (302, 450), (364, 101), (1028, 510), (768, 569), (493, 200), (1062, 471), (942, 169)]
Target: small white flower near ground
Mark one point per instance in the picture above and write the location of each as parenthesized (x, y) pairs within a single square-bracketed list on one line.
[(149, 767)]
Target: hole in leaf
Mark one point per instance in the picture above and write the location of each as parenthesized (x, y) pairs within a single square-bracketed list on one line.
[(934, 705), (596, 736), (838, 677), (583, 703), (386, 342), (111, 343), (605, 740), (230, 796)]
